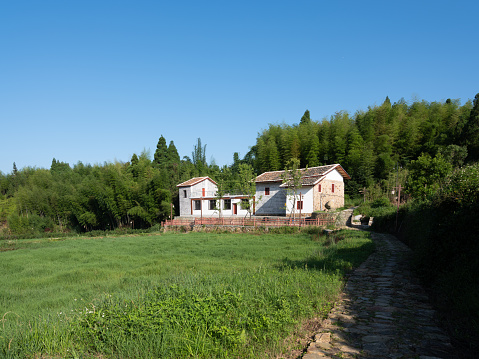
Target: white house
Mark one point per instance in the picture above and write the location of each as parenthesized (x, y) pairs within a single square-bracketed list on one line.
[(321, 188), (198, 199)]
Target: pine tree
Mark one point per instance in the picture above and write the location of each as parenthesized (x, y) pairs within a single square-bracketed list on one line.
[(387, 102), (160, 158), (306, 119), (172, 154)]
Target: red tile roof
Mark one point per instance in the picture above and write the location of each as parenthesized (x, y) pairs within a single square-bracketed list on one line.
[(310, 176), (193, 181)]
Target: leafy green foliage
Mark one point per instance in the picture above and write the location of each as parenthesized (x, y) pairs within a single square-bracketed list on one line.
[(372, 144), (442, 231), (426, 175)]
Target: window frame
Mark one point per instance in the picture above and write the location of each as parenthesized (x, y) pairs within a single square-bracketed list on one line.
[(212, 204), (197, 204), (299, 204), (227, 204), (266, 191)]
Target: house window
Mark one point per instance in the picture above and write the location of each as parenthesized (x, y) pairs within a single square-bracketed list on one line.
[(266, 191), (197, 205), (212, 204), (319, 188), (227, 204), (244, 203), (184, 193), (299, 204), (332, 188)]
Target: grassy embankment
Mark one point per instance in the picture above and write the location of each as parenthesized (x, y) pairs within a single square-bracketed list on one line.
[(171, 295)]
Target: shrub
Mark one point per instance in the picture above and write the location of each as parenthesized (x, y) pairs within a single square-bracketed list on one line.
[(377, 208), (28, 225), (442, 232)]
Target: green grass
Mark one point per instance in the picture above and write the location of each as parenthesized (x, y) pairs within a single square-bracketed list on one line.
[(173, 295)]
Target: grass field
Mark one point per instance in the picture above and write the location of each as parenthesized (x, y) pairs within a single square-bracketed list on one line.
[(167, 296)]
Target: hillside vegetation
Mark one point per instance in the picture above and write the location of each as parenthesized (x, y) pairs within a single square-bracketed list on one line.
[(377, 147)]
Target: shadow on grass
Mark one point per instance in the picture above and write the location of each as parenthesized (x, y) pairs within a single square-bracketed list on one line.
[(332, 259)]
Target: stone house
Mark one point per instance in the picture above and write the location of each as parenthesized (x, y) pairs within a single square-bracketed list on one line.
[(322, 188), (197, 198)]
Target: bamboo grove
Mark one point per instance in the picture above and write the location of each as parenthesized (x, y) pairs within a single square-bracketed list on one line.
[(415, 144)]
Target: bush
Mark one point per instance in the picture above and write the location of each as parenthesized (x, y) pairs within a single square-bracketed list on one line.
[(442, 232), (377, 208), (28, 225)]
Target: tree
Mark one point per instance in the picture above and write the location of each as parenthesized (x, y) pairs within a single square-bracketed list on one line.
[(172, 155), (160, 158), (306, 119), (272, 155), (247, 186), (172, 169), (471, 131), (221, 181), (426, 175), (198, 157), (387, 102), (58, 167), (292, 181), (385, 161), (454, 154), (312, 158)]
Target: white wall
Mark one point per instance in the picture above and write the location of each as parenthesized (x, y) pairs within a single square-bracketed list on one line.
[(210, 189), (206, 212), (307, 197), (334, 176), (195, 191)]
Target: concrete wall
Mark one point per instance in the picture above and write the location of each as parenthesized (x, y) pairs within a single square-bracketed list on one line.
[(272, 204), (195, 191), (185, 201)]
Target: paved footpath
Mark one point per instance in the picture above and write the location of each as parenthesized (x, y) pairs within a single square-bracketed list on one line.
[(383, 313)]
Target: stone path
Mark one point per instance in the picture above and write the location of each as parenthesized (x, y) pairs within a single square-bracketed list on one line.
[(383, 313)]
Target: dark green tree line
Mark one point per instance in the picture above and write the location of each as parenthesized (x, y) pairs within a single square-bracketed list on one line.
[(421, 137), (373, 144)]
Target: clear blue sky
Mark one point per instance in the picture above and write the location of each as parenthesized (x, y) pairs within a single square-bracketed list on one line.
[(97, 81)]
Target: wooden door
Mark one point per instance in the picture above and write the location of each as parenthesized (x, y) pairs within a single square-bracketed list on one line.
[(235, 208)]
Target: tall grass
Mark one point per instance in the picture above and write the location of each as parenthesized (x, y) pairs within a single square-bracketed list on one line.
[(175, 295)]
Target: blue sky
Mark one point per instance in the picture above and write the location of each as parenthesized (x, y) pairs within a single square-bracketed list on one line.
[(97, 81)]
